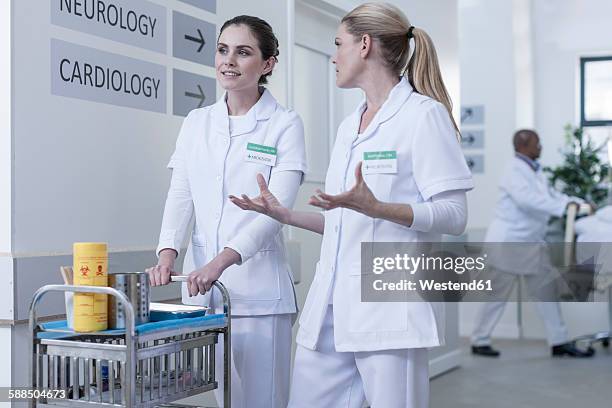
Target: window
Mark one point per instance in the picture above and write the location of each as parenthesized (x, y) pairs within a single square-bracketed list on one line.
[(596, 91)]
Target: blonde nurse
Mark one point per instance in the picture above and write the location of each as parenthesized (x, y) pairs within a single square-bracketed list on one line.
[(348, 351), (219, 151)]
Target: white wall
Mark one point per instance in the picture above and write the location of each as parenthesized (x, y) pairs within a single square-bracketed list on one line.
[(64, 147), (5, 127), (564, 31), (487, 78), (6, 265)]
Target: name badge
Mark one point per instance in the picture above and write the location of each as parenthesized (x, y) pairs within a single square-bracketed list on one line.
[(379, 162), (261, 154)]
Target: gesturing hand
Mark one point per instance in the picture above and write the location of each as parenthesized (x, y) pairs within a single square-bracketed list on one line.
[(266, 203), (359, 198)]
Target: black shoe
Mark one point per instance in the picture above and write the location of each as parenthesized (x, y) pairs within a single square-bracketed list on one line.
[(569, 349), (486, 351)]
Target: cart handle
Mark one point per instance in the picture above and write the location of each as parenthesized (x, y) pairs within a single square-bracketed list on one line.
[(219, 285), (130, 330)]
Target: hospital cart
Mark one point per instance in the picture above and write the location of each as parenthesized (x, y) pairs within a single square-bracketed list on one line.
[(149, 365)]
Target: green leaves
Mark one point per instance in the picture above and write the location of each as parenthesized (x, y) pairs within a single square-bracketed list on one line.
[(582, 173)]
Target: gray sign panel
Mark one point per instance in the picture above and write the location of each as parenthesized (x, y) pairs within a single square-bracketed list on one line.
[(193, 39), (472, 139), (208, 5), (86, 73), (472, 115), (475, 162), (191, 91), (133, 22)]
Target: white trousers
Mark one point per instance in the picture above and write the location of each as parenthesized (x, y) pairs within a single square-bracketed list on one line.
[(385, 379), (261, 361), (491, 312)]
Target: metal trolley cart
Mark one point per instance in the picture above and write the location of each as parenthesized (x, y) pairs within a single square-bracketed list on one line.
[(142, 366)]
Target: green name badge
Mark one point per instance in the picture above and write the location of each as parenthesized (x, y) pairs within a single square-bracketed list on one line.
[(379, 162), (261, 154)]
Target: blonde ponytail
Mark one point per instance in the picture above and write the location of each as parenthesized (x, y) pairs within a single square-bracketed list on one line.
[(390, 27), (424, 73)]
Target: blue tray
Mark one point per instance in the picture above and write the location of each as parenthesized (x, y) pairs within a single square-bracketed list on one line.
[(58, 329)]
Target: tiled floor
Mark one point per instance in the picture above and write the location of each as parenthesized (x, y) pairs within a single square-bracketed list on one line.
[(525, 376)]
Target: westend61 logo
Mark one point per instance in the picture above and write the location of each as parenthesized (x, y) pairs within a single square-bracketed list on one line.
[(411, 264)]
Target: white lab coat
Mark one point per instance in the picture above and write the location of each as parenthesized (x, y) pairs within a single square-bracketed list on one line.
[(212, 165), (429, 161), (525, 204)]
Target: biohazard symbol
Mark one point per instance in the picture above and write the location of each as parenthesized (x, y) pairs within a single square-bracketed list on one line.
[(99, 271), (84, 270)]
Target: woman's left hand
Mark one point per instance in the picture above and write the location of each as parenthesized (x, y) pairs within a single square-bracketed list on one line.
[(201, 280), (359, 198)]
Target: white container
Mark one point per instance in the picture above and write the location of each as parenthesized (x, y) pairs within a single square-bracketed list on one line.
[(69, 299)]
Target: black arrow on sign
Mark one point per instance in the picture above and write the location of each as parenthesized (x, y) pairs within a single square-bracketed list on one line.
[(467, 113), (200, 40), (199, 96), (470, 139)]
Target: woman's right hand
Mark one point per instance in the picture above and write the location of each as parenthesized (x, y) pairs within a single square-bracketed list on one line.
[(160, 273), (266, 203)]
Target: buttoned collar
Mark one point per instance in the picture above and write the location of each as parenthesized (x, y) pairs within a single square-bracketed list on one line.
[(395, 100), (262, 110)]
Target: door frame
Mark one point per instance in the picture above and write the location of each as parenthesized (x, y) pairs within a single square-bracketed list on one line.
[(327, 49)]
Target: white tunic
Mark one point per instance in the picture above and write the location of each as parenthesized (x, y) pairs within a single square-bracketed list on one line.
[(429, 161), (210, 164)]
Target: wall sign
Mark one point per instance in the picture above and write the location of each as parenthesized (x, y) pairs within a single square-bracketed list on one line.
[(193, 39), (191, 91), (134, 22), (90, 74)]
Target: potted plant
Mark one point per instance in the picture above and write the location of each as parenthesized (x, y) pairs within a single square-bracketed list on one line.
[(581, 174)]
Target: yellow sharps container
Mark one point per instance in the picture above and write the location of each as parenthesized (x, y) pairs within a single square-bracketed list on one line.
[(90, 265)]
